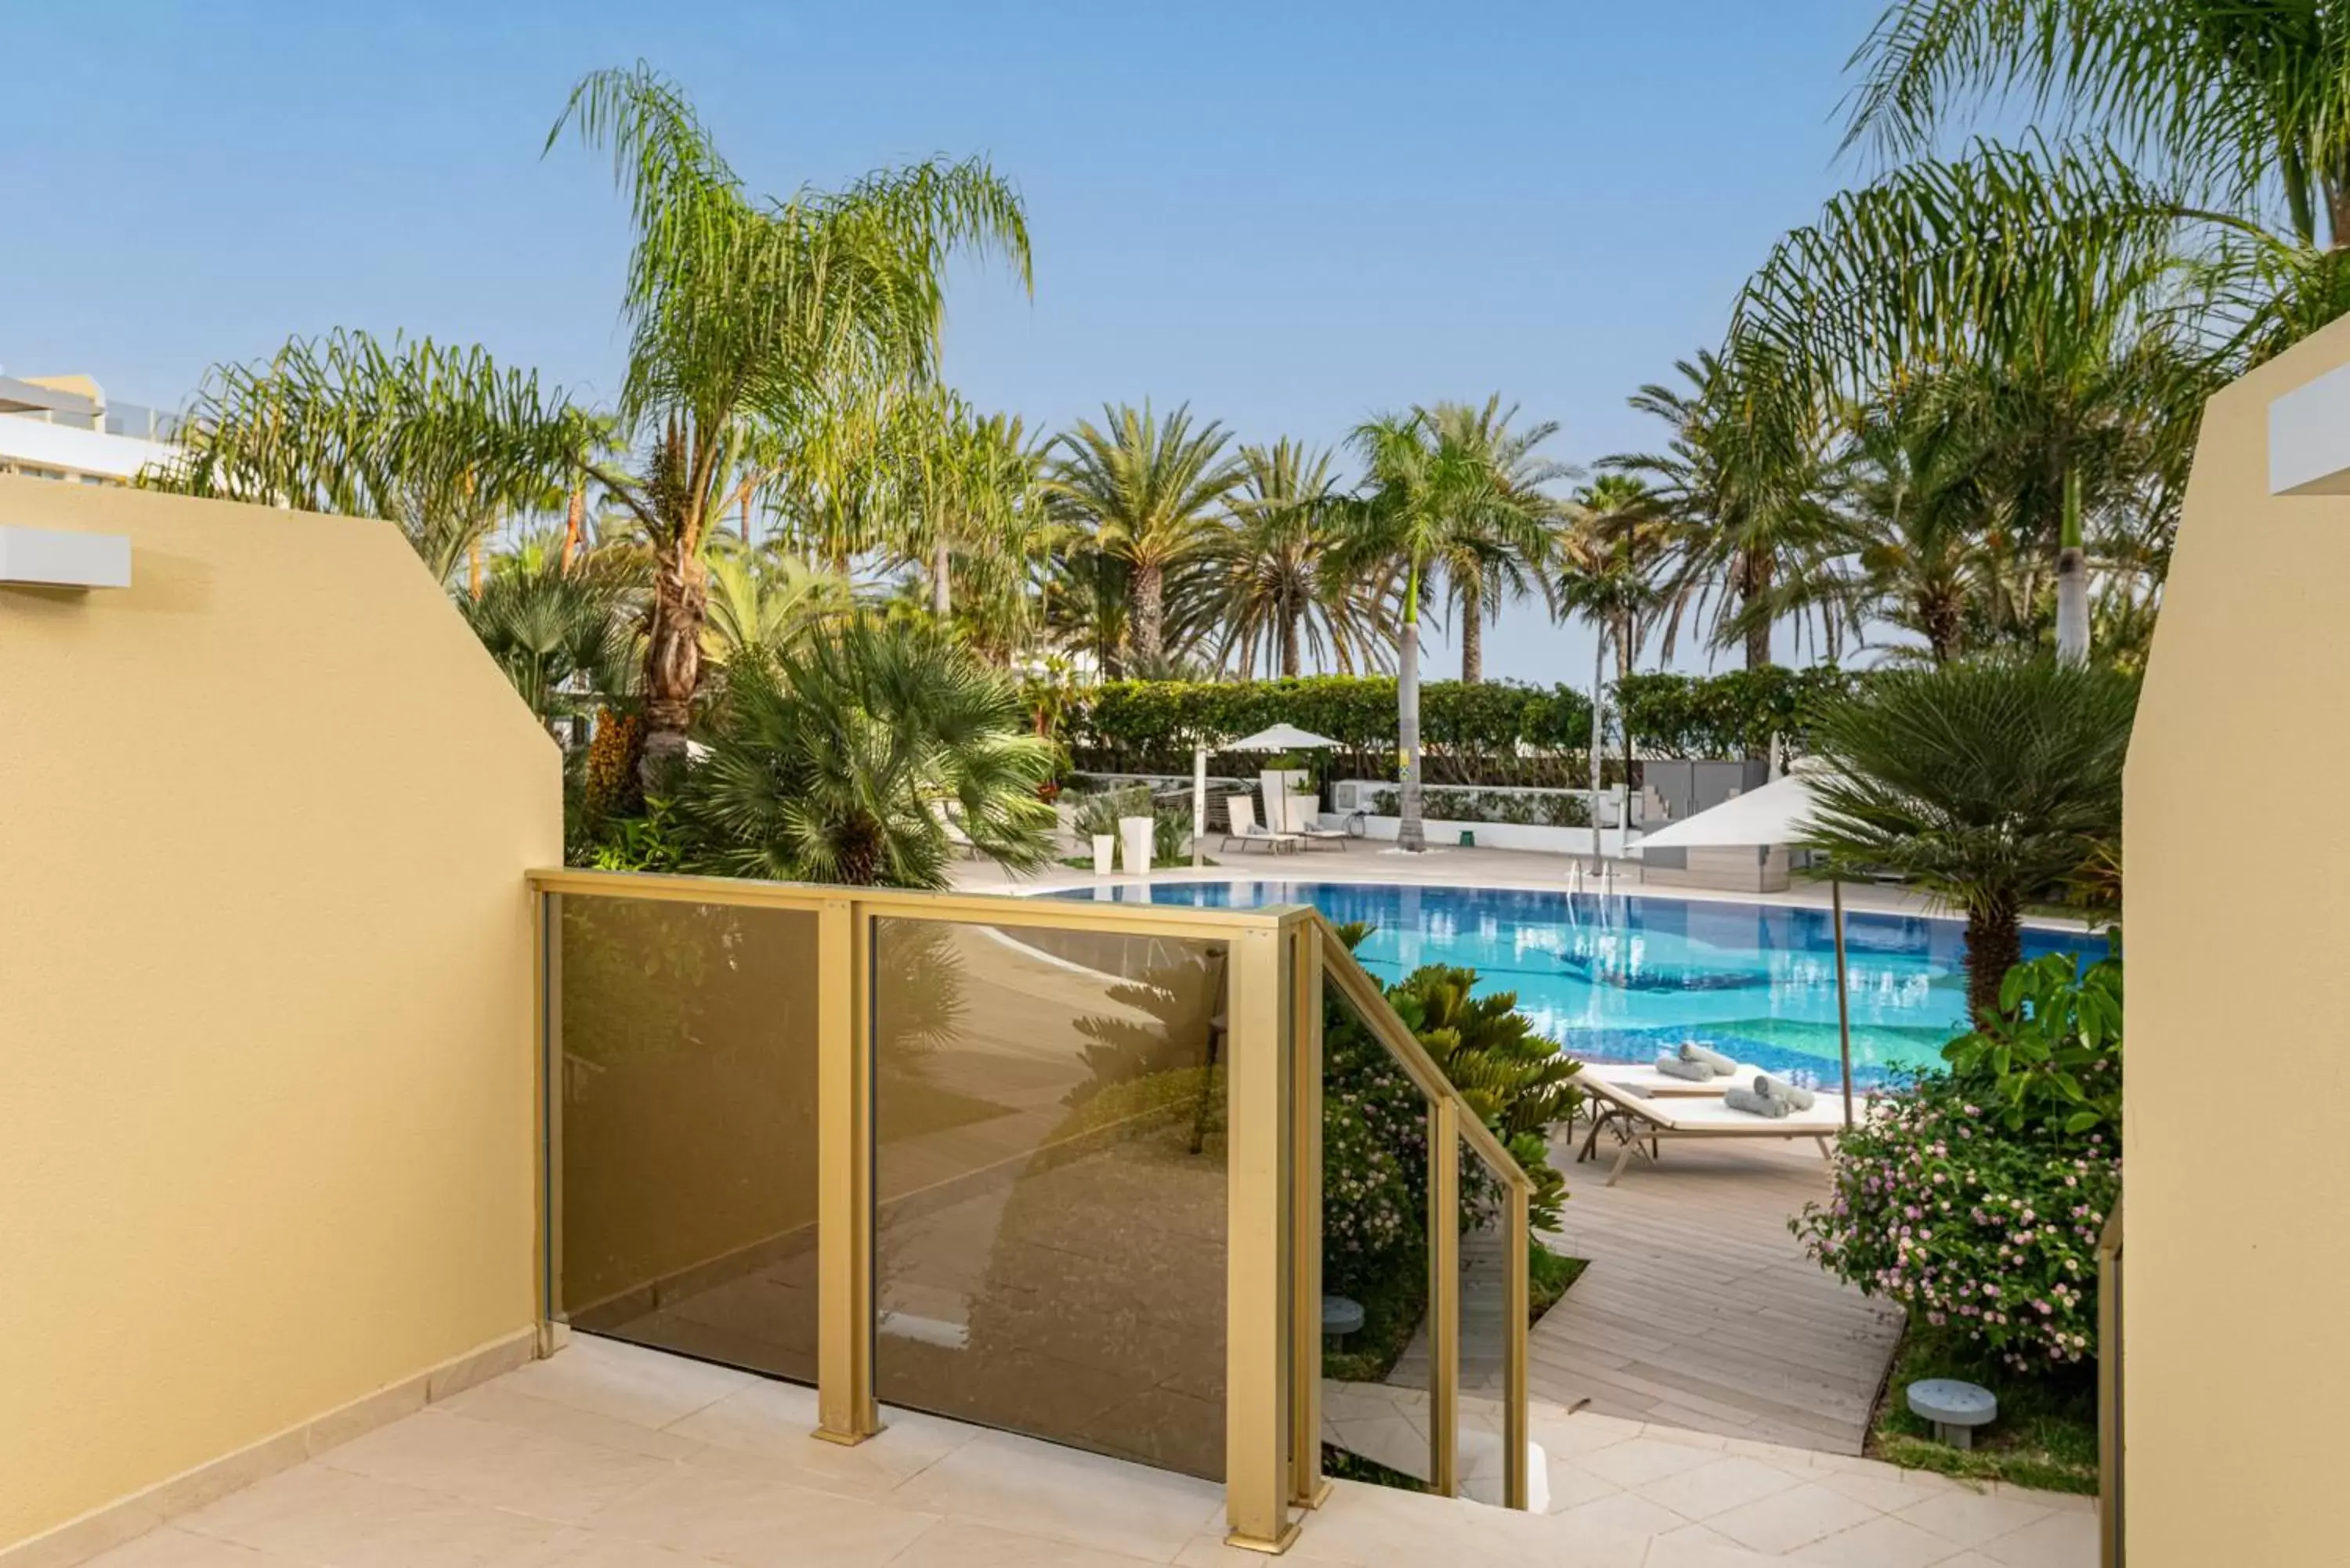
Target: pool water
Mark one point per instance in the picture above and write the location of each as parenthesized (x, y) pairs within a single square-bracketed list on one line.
[(1619, 977)]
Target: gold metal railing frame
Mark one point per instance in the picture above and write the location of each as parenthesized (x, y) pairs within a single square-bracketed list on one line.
[(1279, 956), (1451, 1126)]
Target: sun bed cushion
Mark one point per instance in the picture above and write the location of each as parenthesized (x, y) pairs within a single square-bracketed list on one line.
[(1719, 1065), (1795, 1096), (1673, 1066), (1742, 1099)]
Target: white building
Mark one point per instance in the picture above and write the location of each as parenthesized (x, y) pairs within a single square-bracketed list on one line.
[(63, 427)]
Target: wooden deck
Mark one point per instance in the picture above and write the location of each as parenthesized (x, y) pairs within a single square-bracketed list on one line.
[(1699, 1309)]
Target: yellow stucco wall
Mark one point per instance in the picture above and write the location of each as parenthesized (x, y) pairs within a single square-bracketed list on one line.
[(266, 1006), (2237, 1130)]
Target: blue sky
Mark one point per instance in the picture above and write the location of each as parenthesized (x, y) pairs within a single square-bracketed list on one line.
[(1289, 215)]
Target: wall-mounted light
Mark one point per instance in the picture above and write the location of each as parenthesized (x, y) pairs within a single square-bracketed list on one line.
[(51, 558)]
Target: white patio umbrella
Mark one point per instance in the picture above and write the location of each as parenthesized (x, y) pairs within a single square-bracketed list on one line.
[(1779, 812), (1279, 738)]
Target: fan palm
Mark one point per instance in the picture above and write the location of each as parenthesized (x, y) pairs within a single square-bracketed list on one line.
[(1274, 583), (1989, 782), (563, 638), (1146, 492), (747, 317), (842, 761), (763, 601)]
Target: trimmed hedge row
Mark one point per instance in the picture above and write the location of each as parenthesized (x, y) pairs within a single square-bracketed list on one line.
[(1730, 715), (1494, 732), (1467, 731)]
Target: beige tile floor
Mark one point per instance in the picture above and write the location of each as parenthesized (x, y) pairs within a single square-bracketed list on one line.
[(607, 1456)]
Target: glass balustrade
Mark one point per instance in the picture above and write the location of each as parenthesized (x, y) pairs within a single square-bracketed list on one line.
[(1171, 1184)]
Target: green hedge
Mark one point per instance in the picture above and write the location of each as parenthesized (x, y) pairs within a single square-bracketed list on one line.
[(1730, 715), (1494, 732), (1468, 733)]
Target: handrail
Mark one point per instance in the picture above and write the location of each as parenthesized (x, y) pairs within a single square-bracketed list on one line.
[(914, 903), (1371, 1004), (1454, 1128)]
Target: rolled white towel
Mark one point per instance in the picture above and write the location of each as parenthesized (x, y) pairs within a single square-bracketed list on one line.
[(1715, 1062), (1738, 1097), (1673, 1066), (1793, 1096)]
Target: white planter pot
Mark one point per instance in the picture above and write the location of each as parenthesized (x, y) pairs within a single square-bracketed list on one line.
[(1136, 832), (1104, 854)]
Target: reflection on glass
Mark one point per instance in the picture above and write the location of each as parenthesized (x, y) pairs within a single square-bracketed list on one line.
[(1375, 1358), (1482, 1434), (688, 1120), (1050, 1180)]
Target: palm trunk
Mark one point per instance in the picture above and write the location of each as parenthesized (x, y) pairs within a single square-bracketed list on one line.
[(1289, 663), (1995, 946), (1409, 834), (672, 658), (942, 586), (1624, 822), (1472, 635), (1598, 729), (1148, 588), (746, 517), (1623, 647), (2072, 580), (574, 525), (1755, 581), (474, 567)]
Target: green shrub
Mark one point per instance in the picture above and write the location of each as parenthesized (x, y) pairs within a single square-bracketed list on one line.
[(1976, 1197)]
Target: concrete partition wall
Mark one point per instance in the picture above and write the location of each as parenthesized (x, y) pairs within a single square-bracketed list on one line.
[(2236, 1136), (267, 1083)]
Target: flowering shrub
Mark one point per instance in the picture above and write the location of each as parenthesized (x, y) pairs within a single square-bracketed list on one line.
[(1982, 1232)]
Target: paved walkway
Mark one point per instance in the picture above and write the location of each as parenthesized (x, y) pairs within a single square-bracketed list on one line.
[(1701, 1310), (607, 1456)]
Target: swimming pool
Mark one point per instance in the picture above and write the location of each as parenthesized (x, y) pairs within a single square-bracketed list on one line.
[(1618, 978)]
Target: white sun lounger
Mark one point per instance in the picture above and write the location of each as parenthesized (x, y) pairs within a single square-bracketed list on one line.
[(1643, 1077), (1644, 1122), (1240, 827)]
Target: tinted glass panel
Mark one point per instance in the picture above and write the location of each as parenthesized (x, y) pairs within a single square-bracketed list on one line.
[(688, 1128), (1050, 1176), (1374, 1363)]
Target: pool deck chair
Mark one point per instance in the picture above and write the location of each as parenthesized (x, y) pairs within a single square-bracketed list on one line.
[(1314, 833), (1644, 1123), (1643, 1078), (1241, 827)]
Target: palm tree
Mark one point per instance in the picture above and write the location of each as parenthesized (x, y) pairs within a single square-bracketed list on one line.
[(749, 317), (562, 637), (1605, 577), (844, 761), (1746, 514), (1497, 542), (975, 516), (440, 440), (1274, 583), (762, 602), (1145, 492), (2197, 199), (1990, 783), (1437, 500)]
